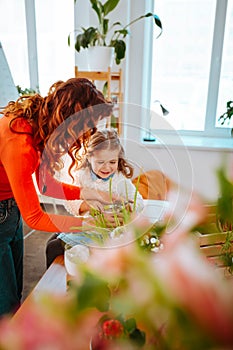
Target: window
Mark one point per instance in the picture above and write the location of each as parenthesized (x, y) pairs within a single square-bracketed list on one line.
[(192, 71), (14, 39), (53, 23)]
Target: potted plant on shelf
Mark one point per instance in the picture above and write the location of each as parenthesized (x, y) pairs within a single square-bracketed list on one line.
[(110, 36)]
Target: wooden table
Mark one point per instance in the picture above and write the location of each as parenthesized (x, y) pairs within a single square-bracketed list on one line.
[(55, 278), (53, 281)]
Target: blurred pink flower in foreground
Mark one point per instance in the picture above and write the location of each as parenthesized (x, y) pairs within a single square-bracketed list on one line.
[(155, 289), (186, 209), (193, 284)]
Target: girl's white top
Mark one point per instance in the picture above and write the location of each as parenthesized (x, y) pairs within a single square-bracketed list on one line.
[(121, 186)]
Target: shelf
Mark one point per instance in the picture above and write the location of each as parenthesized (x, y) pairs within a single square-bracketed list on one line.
[(115, 96)]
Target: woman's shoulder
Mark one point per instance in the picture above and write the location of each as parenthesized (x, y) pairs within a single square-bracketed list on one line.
[(12, 123)]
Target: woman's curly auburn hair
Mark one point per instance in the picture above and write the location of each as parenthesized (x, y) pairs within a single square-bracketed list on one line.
[(107, 139), (63, 121)]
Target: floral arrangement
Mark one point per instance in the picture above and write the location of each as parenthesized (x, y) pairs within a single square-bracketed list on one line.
[(151, 240), (127, 298), (119, 331)]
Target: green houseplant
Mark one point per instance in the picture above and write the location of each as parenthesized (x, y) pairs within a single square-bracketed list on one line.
[(107, 34), (227, 115)]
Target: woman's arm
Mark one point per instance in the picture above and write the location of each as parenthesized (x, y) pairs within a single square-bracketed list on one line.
[(51, 187), (19, 160)]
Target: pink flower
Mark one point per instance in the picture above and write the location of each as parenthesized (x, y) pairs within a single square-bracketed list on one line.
[(36, 330), (112, 329), (186, 209), (113, 261), (192, 283)]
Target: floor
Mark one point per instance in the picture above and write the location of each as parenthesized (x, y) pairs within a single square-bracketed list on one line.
[(34, 254)]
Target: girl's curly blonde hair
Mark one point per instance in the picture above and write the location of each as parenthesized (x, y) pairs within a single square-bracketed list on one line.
[(107, 139), (63, 121)]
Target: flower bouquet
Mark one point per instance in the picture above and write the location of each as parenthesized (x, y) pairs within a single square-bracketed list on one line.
[(128, 298)]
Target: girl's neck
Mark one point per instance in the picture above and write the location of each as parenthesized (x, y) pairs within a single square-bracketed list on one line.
[(95, 176)]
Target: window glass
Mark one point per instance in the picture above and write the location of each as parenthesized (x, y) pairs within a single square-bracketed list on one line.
[(226, 79), (14, 40), (54, 21), (181, 61)]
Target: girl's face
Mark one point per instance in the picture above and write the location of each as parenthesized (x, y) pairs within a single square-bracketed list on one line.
[(104, 163)]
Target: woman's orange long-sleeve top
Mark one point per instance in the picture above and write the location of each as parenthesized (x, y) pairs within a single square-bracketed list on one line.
[(19, 160)]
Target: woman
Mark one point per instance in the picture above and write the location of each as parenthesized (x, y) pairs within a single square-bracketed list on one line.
[(35, 132)]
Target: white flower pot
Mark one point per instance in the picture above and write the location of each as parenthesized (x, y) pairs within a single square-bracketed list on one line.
[(75, 256), (99, 58)]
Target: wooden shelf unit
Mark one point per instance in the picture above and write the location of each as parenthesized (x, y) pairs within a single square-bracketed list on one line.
[(116, 96)]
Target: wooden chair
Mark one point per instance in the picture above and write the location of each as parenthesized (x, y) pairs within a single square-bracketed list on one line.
[(211, 241), (153, 184)]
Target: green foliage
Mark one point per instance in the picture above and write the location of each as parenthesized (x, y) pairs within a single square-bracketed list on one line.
[(228, 114), (124, 208), (98, 36), (150, 240), (227, 253), (225, 200), (94, 292), (26, 91), (225, 216)]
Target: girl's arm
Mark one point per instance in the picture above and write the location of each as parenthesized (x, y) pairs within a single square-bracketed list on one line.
[(77, 207)]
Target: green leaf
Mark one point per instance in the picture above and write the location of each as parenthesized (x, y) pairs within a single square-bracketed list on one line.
[(97, 7), (117, 24), (136, 192), (105, 26), (110, 5), (86, 38), (120, 48), (149, 14), (69, 40), (225, 201), (138, 337), (94, 292), (130, 325), (228, 114), (123, 32)]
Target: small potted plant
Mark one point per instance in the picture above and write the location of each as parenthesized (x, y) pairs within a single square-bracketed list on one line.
[(226, 116), (105, 34)]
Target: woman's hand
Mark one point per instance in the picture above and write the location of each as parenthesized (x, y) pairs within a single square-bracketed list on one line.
[(110, 221), (84, 208), (102, 197)]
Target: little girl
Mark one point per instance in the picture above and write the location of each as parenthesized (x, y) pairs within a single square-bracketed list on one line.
[(104, 162)]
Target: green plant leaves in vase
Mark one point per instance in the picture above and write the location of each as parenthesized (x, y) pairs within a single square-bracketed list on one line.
[(107, 34)]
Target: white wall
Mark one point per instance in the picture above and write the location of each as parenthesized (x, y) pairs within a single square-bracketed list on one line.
[(193, 169)]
